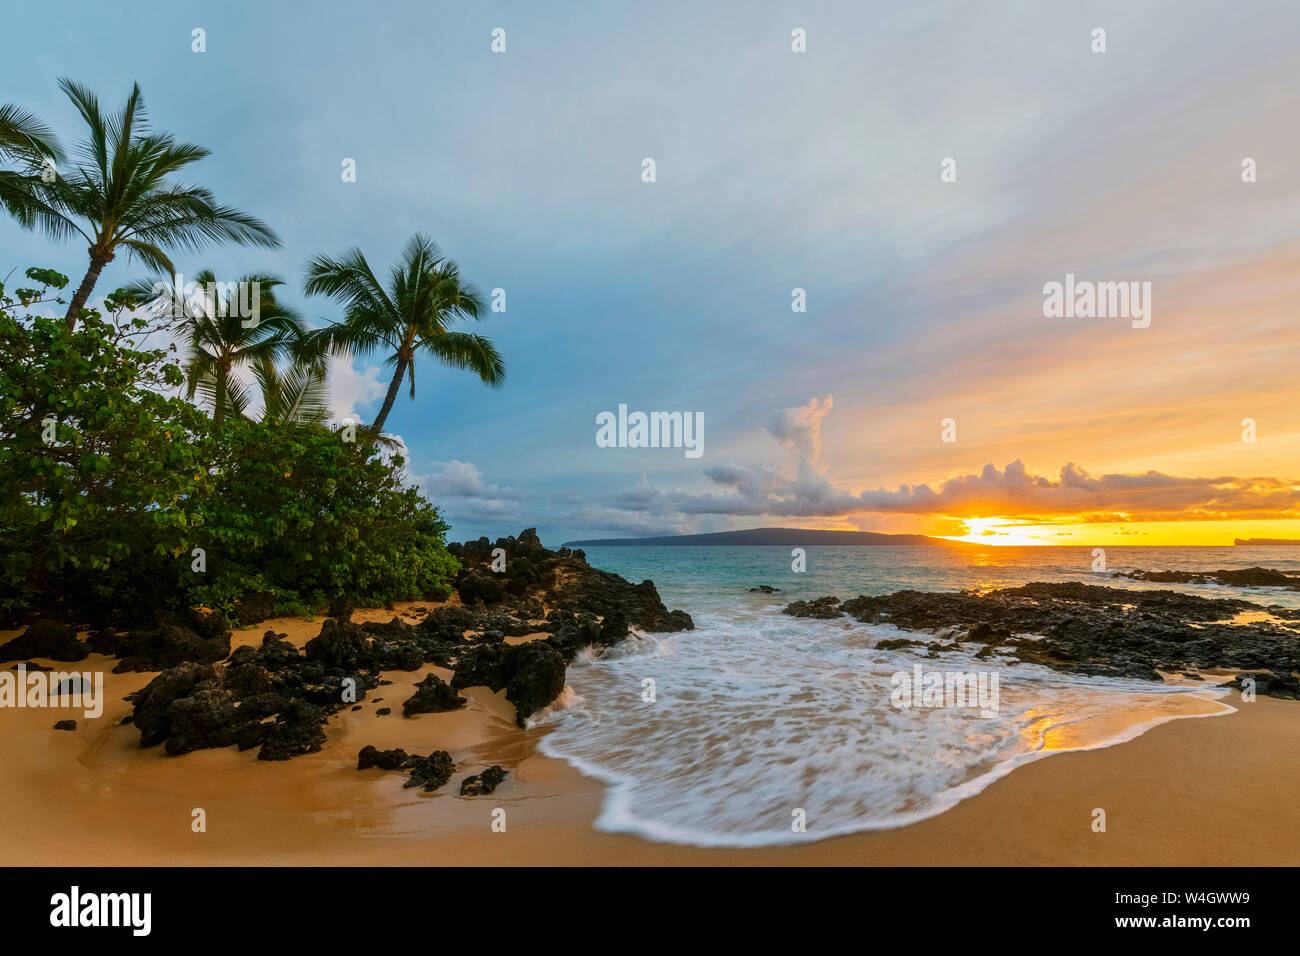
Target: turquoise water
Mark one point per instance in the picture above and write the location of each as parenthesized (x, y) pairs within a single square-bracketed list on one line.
[(705, 576), (735, 733)]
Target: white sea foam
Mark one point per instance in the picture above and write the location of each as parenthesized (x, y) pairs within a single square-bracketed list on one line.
[(568, 700), (757, 714)]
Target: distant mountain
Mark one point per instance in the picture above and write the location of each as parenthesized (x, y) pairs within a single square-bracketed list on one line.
[(793, 537), (1255, 542)]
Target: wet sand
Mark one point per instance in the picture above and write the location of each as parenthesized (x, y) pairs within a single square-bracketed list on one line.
[(1213, 791)]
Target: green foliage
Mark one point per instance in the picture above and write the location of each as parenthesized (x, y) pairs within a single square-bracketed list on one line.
[(298, 393), (109, 481), (298, 511), (99, 468)]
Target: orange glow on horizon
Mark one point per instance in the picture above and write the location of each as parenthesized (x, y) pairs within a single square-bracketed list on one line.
[(1007, 532)]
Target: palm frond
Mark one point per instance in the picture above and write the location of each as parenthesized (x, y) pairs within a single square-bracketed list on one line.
[(425, 294), (119, 194), (473, 353), (23, 137)]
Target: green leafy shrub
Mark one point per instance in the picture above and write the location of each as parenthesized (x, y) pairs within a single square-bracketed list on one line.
[(99, 468), (109, 481), (299, 512)]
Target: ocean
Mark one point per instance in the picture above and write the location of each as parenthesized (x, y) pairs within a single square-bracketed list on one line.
[(759, 729)]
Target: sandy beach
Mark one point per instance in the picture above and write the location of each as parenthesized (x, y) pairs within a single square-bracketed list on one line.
[(1186, 792), (702, 435)]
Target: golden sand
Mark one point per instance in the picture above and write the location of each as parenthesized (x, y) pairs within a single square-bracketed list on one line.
[(1215, 791)]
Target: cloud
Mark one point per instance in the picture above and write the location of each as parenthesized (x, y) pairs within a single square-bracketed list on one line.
[(799, 488), (351, 388), (800, 429), (1151, 496), (458, 488), (460, 479)]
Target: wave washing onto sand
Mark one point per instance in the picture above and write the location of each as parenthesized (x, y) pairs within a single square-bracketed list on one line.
[(757, 714)]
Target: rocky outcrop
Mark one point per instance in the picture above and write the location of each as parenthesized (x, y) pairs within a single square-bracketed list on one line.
[(432, 772), (531, 674), (272, 697), (536, 678), (485, 665), (48, 639), (298, 729), (1090, 629), (432, 696), (570, 633), (1282, 686), (1240, 578), (824, 608), (348, 646), (167, 645), (522, 573), (152, 704), (277, 698), (429, 773), (893, 644), (394, 759), (482, 784)]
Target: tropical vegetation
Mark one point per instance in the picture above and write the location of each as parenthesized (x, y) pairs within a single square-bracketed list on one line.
[(163, 450)]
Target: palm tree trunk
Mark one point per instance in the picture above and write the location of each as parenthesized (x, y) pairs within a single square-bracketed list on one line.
[(219, 404), (391, 397), (87, 286)]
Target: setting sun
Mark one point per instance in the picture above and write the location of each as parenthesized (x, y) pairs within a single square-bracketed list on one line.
[(1004, 532)]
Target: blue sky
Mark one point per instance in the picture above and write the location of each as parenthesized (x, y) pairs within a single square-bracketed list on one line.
[(775, 170)]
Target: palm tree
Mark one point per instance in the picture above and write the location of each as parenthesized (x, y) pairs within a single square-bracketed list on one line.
[(425, 295), (297, 394), (218, 344), (28, 143), (119, 196)]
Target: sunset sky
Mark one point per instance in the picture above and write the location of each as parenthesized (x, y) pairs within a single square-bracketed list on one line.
[(778, 171)]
